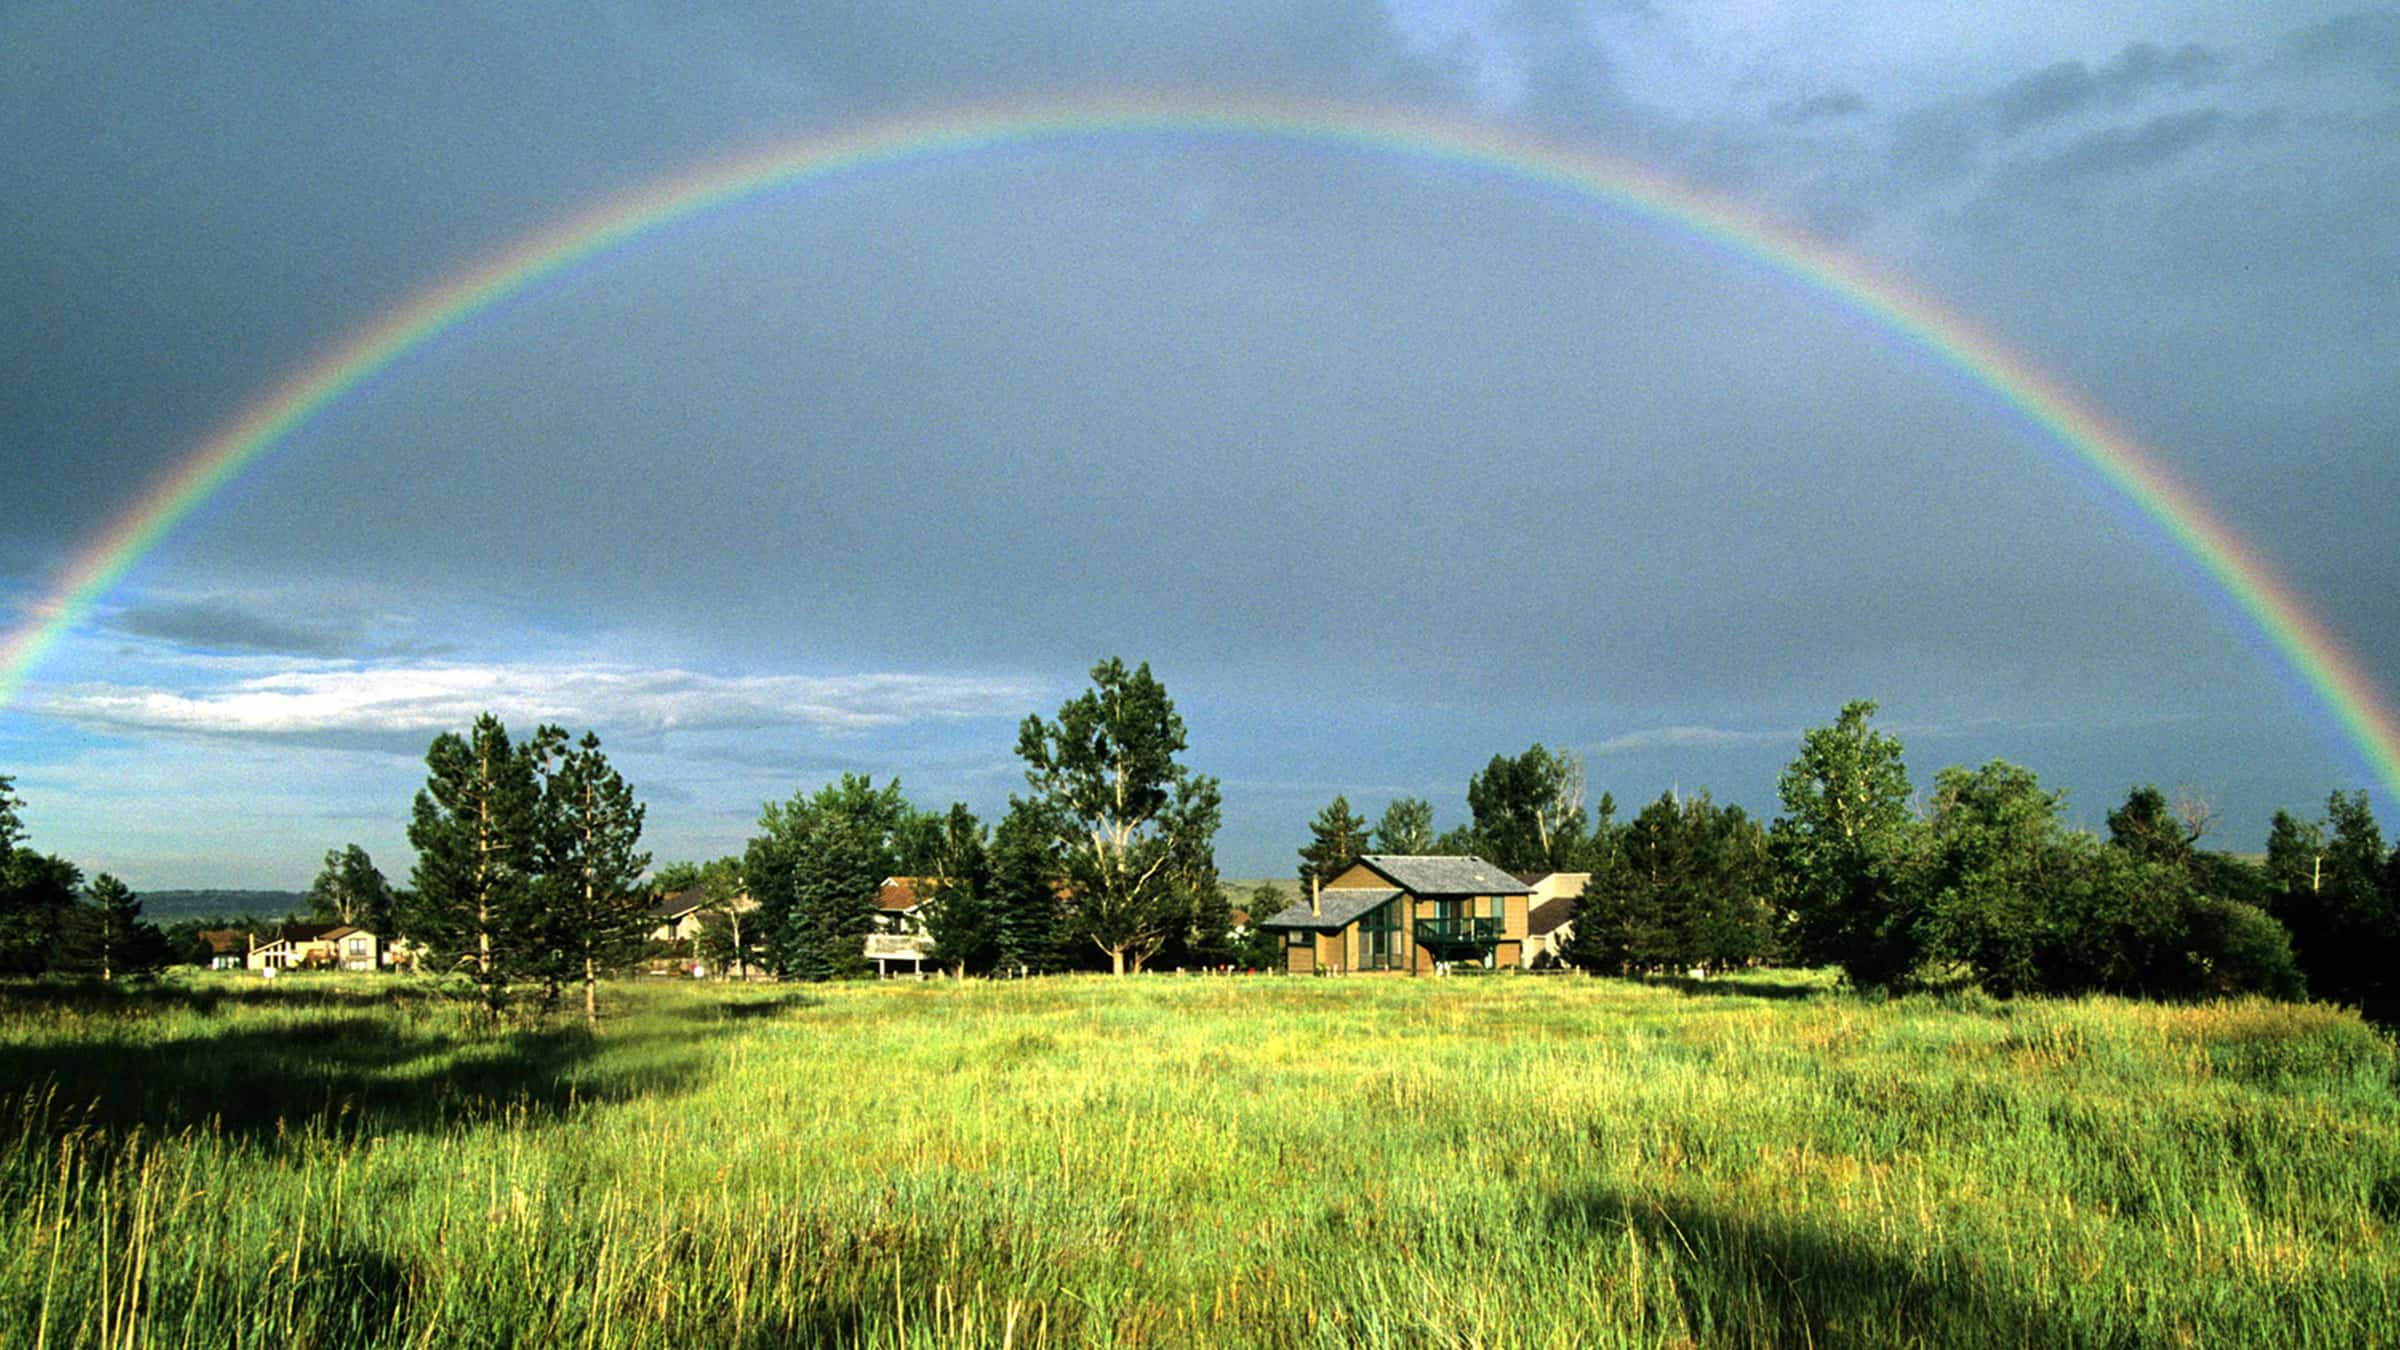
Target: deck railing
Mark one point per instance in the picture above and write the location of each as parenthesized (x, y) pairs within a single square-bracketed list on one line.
[(1458, 932)]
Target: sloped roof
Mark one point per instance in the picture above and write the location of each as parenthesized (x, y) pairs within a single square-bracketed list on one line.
[(1338, 909), (1431, 874), (673, 907), (1549, 915), (897, 894)]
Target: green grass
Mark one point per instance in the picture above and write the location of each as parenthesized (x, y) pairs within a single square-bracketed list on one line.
[(1512, 1160)]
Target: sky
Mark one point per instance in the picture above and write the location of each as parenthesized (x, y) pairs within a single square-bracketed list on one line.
[(1384, 466)]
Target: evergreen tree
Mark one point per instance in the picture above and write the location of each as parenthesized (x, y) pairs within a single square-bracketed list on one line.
[(593, 906), (1027, 872), (1200, 932), (960, 915), (1262, 948), (118, 930), (1406, 827), (2331, 883), (1337, 838), (37, 899), (474, 829), (814, 869)]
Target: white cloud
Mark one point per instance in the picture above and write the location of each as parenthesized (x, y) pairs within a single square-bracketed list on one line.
[(380, 699), (1689, 737)]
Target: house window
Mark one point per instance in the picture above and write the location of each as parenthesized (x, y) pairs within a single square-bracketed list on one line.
[(1376, 936)]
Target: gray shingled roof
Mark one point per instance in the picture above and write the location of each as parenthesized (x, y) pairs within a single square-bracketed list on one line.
[(1443, 875), (1338, 909)]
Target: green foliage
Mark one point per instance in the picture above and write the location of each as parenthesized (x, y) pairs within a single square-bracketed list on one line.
[(475, 831), (1262, 948), (1995, 868), (38, 893), (814, 869), (594, 913), (351, 889), (1034, 930), (1683, 885), (1845, 847), (1337, 838), (2337, 889), (1126, 811), (1528, 810), (961, 913), (1406, 827), (121, 942)]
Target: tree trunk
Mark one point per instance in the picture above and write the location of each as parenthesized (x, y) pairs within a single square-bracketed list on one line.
[(591, 999), (1116, 960)]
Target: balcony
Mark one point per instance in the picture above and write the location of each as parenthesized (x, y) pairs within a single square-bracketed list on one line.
[(899, 946), (1436, 934)]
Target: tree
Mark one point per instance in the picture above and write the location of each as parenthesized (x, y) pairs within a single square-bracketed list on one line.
[(1028, 869), (1528, 810), (1337, 838), (474, 832), (727, 940), (352, 890), (2331, 881), (1200, 922), (118, 930), (1996, 872), (1262, 948), (1406, 827), (814, 869), (1106, 770), (1843, 848), (2147, 827), (37, 898), (12, 825), (1682, 885), (959, 913), (593, 906)]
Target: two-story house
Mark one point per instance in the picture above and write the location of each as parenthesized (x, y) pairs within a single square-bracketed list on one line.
[(1407, 912)]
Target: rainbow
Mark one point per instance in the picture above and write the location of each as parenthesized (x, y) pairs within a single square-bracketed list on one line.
[(2121, 465)]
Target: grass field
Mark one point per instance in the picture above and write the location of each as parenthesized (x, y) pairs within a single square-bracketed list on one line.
[(1500, 1160)]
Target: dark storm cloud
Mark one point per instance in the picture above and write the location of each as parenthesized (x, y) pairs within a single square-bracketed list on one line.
[(2130, 149), (2071, 86), (217, 624), (2367, 41)]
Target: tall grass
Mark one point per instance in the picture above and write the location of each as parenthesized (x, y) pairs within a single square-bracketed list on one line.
[(1175, 1161)]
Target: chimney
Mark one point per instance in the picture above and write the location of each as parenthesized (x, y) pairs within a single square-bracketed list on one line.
[(1314, 909)]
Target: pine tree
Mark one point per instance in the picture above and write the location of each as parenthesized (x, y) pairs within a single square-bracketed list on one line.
[(474, 832), (960, 915), (120, 920), (1337, 838), (1026, 875), (593, 905)]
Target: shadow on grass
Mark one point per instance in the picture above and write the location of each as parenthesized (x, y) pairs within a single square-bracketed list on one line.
[(1764, 1280), (359, 1060), (739, 1009)]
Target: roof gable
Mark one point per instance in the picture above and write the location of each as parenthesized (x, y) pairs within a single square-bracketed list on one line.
[(1444, 874), (1336, 910)]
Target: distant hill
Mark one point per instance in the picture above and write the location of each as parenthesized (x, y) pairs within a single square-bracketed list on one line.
[(168, 906)]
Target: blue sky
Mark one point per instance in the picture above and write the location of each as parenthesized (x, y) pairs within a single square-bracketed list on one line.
[(1384, 469)]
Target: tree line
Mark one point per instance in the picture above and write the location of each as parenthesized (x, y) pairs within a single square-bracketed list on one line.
[(1982, 879), (53, 922)]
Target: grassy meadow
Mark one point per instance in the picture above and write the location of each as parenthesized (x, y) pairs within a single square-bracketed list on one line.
[(216, 1161)]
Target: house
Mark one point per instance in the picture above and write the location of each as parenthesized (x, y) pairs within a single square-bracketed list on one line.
[(316, 946), (1407, 912), (899, 931), (1550, 914), (676, 920), (226, 947)]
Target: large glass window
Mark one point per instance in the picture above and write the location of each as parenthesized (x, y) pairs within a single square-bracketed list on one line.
[(1378, 936)]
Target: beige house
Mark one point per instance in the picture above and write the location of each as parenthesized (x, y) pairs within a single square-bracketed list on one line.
[(675, 927), (1409, 913), (317, 946), (1550, 914)]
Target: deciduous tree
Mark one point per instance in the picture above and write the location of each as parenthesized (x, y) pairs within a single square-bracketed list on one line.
[(1844, 845), (1406, 827), (1107, 772)]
